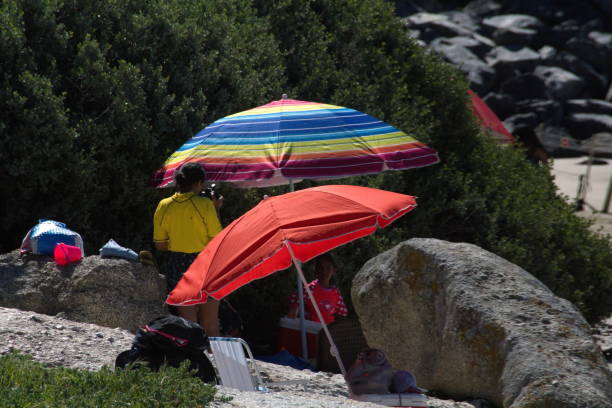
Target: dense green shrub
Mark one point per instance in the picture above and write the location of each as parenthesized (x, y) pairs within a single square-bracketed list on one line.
[(96, 94), (26, 383)]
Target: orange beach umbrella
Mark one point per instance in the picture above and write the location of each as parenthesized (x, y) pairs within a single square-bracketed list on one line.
[(295, 226), (285, 229)]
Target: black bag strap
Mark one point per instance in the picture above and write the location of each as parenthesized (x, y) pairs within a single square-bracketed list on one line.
[(198, 211)]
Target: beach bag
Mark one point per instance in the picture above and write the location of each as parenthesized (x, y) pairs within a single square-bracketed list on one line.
[(44, 236), (113, 250), (371, 373), (170, 340), (405, 382)]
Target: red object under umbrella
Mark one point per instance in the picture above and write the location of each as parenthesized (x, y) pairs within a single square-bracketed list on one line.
[(293, 227), (489, 119)]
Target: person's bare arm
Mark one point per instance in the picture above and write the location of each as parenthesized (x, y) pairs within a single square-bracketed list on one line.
[(161, 246)]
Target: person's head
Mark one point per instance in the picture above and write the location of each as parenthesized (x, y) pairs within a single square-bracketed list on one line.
[(325, 267), (188, 176)]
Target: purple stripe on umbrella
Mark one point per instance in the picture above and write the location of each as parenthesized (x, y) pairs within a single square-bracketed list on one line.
[(340, 171), (358, 159), (243, 176), (213, 167), (349, 169), (417, 161), (407, 154)]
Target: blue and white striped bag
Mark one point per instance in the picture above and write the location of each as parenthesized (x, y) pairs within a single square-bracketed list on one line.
[(44, 236)]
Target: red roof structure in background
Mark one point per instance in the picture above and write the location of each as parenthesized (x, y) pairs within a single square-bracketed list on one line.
[(489, 119)]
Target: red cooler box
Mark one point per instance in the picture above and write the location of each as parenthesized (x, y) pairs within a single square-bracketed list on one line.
[(289, 336)]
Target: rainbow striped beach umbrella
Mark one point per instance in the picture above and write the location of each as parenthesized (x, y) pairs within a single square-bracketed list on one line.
[(290, 140)]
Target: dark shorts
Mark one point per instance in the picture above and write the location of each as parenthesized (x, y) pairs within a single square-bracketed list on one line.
[(175, 265)]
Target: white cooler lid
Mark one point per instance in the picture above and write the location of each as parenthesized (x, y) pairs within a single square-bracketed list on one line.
[(294, 324)]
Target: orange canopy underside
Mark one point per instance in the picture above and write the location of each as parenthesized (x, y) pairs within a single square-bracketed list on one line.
[(311, 221)]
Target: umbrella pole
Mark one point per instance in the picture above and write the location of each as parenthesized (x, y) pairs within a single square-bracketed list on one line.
[(333, 348), (300, 291)]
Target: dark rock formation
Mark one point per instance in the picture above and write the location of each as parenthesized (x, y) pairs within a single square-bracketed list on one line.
[(518, 51), (103, 291)]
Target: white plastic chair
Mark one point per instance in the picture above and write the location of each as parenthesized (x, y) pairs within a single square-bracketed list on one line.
[(233, 368)]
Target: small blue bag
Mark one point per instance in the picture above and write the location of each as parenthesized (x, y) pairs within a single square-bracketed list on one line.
[(113, 250), (44, 236)]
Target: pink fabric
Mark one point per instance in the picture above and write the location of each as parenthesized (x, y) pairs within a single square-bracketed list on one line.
[(489, 119), (329, 299)]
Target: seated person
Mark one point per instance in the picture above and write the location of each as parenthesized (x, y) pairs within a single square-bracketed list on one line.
[(327, 296)]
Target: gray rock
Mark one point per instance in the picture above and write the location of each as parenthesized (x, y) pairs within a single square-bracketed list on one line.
[(589, 106), (512, 21), (104, 291), (480, 75), (519, 36), (556, 139), (596, 82), (600, 38), (508, 60), (526, 86), (547, 53), (561, 33), (462, 19), (482, 8), (546, 110), (562, 84), (502, 104), (584, 125), (598, 55), (521, 121), (470, 324), (478, 47), (434, 25)]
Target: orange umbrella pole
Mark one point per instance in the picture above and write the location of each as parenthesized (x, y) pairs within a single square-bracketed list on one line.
[(333, 349)]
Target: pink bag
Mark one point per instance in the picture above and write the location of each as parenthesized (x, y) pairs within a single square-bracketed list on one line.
[(371, 373)]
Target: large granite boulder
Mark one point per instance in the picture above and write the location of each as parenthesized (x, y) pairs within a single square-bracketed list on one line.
[(470, 324), (103, 291), (561, 83)]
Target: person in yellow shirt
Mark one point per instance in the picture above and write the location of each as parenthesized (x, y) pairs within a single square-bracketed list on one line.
[(183, 225)]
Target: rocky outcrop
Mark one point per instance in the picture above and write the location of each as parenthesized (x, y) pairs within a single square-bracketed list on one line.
[(103, 291), (470, 324), (530, 53)]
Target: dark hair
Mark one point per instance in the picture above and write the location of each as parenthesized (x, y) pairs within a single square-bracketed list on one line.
[(323, 260), (187, 175)]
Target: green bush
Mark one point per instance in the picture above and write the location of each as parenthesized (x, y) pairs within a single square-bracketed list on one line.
[(25, 383), (96, 94)]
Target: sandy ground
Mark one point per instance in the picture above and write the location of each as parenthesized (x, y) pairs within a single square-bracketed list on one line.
[(567, 172)]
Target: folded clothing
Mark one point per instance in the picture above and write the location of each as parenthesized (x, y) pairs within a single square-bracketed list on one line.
[(113, 250)]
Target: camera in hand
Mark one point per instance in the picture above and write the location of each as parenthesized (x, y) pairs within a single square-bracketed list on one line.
[(208, 192)]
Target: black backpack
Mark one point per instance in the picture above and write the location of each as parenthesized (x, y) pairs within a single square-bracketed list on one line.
[(170, 340)]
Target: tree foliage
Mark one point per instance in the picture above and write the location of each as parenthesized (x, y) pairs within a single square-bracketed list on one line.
[(96, 94)]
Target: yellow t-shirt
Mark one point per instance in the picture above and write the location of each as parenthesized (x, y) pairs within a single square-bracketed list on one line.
[(186, 221)]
